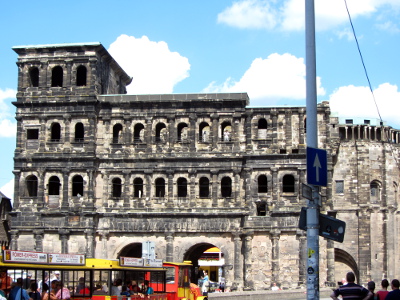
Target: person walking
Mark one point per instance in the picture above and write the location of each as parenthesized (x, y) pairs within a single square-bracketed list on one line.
[(351, 290)]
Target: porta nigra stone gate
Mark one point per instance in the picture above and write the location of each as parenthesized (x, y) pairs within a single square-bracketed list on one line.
[(100, 172)]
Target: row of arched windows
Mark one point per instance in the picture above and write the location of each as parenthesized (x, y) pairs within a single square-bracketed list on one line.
[(55, 132), (288, 186), (57, 76)]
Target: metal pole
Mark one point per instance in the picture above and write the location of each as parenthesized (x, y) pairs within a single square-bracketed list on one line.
[(312, 264)]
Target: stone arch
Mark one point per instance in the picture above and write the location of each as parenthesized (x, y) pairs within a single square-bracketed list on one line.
[(343, 257), (193, 254), (131, 250)]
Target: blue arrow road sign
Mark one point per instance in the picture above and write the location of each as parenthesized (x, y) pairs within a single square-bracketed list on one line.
[(317, 166)]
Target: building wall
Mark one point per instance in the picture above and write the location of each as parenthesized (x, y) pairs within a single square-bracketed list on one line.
[(101, 174)]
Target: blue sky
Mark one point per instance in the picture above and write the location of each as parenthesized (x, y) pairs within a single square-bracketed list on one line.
[(252, 46)]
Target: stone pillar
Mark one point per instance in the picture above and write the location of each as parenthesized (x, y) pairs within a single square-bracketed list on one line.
[(169, 238), (64, 236), (149, 134), (126, 191), (248, 126), (89, 243), (247, 272), (236, 190), (301, 127), (192, 188), (64, 204), (42, 135), (192, 132), (214, 193), (275, 235), (330, 259), (214, 130), (38, 235), (247, 186), (364, 247), (237, 270), (169, 194), (302, 237), (68, 78), (128, 134), (14, 239), (90, 190), (275, 185), (142, 200), (67, 136), (104, 235), (236, 134), (17, 178)]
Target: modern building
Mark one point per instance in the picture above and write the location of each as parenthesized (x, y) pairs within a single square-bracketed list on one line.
[(101, 172)]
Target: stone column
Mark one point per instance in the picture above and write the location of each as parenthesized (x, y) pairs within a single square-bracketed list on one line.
[(14, 239), (64, 236), (275, 185), (214, 193), (235, 134), (302, 237), (214, 130), (237, 270), (192, 188), (17, 178), (330, 259), (89, 243), (104, 235), (275, 235), (126, 193), (42, 135), (90, 190), (192, 132), (68, 78), (38, 235), (149, 195), (236, 190), (169, 238), (248, 126), (64, 204), (248, 278), (170, 189), (67, 136), (149, 135), (247, 186)]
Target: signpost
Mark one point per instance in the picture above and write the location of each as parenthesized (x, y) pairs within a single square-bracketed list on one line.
[(317, 166)]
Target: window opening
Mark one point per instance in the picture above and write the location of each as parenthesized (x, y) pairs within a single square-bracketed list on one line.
[(161, 132), (182, 187), (138, 187), (117, 133), (32, 134), (204, 132), (339, 186), (81, 75), (262, 129), (34, 77), (288, 184), (55, 132), (204, 186), (182, 132), (79, 132), (57, 77), (54, 185), (261, 208), (116, 187), (262, 184), (226, 131), (226, 187), (138, 133), (32, 185), (77, 186), (160, 187)]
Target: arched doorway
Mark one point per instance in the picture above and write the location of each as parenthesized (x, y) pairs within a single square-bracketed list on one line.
[(344, 263), (131, 250), (205, 257)]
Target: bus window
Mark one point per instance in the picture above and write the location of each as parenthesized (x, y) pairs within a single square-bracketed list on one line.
[(170, 275)]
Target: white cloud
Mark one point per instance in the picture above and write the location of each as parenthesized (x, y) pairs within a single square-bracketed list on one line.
[(249, 14), (8, 189), (155, 69), (357, 101), (289, 15), (7, 114), (267, 81)]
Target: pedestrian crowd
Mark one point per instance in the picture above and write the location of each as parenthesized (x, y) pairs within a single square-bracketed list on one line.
[(350, 290)]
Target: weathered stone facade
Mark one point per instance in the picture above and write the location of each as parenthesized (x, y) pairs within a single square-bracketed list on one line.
[(100, 172)]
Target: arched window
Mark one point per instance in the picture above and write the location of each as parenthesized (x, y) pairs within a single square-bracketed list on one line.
[(116, 187), (226, 131), (226, 187), (77, 186), (161, 131), (261, 208), (204, 132), (182, 187), (117, 133), (288, 184), (34, 77), (32, 186), (262, 184), (160, 187), (204, 187), (182, 132), (54, 186), (81, 75), (375, 191), (262, 129), (57, 77), (79, 132), (138, 187), (55, 132), (138, 133)]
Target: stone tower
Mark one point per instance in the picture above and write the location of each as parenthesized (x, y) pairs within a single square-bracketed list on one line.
[(100, 172)]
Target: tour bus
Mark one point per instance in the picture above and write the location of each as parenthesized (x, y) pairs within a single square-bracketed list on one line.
[(92, 278)]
